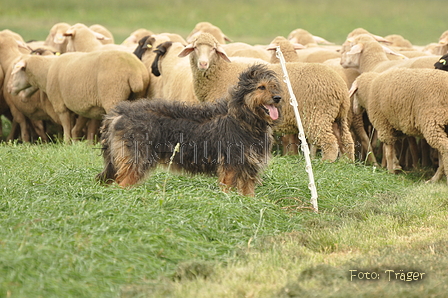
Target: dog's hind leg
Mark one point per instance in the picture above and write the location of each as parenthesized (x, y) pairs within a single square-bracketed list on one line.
[(246, 186), (226, 179)]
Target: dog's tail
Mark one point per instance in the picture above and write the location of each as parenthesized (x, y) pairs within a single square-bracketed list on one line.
[(109, 172)]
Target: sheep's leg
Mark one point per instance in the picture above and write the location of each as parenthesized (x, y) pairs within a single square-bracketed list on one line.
[(12, 133), (92, 129), (360, 132), (65, 118), (290, 144), (439, 173), (391, 157), (435, 135), (347, 144), (40, 130), (80, 124)]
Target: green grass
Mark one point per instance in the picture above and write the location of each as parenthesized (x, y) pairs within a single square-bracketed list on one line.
[(64, 235)]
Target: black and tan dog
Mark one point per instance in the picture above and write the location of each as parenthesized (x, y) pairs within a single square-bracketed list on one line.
[(231, 138)]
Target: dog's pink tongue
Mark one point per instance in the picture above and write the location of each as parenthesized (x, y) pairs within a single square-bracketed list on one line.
[(273, 112)]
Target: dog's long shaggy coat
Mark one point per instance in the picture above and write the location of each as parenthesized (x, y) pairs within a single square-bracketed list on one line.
[(231, 138)]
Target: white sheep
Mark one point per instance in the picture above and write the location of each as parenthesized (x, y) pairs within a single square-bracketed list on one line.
[(305, 38), (136, 36), (88, 84), (321, 93), (241, 49), (207, 27), (403, 101), (36, 108), (81, 38), (355, 121)]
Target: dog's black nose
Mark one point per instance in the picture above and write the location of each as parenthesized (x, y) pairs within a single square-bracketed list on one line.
[(276, 98)]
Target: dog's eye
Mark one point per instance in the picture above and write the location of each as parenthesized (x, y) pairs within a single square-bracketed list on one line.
[(262, 87)]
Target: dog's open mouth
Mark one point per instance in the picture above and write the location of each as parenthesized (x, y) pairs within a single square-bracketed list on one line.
[(271, 111)]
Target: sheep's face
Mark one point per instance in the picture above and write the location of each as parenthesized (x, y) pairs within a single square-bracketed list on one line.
[(205, 51), (19, 82), (350, 55)]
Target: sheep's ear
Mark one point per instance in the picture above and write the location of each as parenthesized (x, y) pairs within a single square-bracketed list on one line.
[(59, 38), (298, 46), (294, 40), (222, 53), (353, 88), (18, 67), (100, 36), (381, 39), (69, 32), (389, 51), (321, 40), (227, 39), (272, 47), (356, 49), (186, 51)]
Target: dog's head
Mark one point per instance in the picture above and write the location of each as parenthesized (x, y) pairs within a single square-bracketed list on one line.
[(259, 91)]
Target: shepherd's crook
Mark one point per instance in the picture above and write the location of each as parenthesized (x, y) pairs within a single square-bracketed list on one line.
[(304, 144)]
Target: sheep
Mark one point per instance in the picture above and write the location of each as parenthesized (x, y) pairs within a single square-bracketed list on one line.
[(241, 49), (83, 39), (103, 31), (145, 52), (88, 84), (136, 36), (305, 38), (365, 54), (403, 101), (37, 107), (56, 38), (322, 94), (206, 27), (399, 41), (177, 79), (355, 121)]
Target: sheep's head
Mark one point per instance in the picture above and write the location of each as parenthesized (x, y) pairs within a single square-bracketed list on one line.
[(19, 83), (442, 63), (205, 51)]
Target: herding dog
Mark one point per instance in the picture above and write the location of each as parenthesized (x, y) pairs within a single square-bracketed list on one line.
[(231, 138)]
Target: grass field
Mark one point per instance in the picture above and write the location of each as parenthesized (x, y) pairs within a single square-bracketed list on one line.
[(63, 235)]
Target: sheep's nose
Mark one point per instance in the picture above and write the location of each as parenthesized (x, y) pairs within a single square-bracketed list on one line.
[(203, 64), (276, 98)]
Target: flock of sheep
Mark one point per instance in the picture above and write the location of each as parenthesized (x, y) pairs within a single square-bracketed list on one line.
[(382, 93)]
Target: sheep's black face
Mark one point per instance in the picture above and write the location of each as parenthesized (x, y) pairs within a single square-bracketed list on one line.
[(442, 63)]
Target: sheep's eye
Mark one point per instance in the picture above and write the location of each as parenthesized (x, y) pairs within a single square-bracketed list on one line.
[(262, 87), (443, 61)]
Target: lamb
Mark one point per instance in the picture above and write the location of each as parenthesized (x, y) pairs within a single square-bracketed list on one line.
[(321, 93), (102, 79), (403, 101), (206, 27)]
